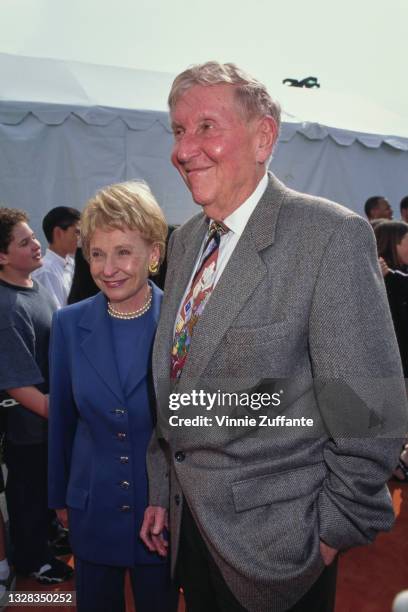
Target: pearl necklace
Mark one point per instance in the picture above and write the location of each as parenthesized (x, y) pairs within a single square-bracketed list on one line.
[(116, 314)]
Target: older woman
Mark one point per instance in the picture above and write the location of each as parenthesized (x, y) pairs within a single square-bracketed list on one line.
[(101, 409), (392, 247)]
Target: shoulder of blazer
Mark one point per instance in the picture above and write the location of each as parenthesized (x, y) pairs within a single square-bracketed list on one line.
[(184, 233), (295, 201), (284, 211), (157, 292), (86, 312), (157, 300), (81, 312)]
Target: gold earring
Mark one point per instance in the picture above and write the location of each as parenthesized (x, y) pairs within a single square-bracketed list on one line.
[(153, 267)]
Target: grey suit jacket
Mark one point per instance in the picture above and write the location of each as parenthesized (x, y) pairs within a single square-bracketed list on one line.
[(300, 310)]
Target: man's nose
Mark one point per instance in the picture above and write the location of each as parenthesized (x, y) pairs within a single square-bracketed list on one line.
[(186, 148)]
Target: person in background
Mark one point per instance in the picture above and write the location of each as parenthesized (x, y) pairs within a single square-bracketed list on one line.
[(7, 575), (26, 310), (83, 285), (102, 404), (377, 207), (61, 229), (392, 247), (404, 209)]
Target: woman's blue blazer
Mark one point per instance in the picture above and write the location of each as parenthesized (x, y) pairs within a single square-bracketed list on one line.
[(99, 432)]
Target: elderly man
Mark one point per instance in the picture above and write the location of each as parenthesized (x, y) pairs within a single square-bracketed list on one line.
[(280, 395)]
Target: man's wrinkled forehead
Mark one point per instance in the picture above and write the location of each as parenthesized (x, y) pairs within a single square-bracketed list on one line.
[(195, 100)]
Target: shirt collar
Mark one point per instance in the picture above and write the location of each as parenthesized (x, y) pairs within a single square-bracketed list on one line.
[(237, 220), (61, 261)]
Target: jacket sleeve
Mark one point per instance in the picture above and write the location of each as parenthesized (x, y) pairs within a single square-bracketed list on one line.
[(157, 463), (359, 387), (62, 416)]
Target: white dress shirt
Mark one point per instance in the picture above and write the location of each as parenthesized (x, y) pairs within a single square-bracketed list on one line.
[(56, 275)]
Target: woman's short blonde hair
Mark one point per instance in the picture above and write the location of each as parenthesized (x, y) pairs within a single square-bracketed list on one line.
[(130, 205)]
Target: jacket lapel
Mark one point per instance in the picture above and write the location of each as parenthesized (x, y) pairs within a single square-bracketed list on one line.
[(172, 298), (139, 364), (97, 345)]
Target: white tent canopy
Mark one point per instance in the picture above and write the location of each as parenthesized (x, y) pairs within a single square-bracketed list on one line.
[(68, 128)]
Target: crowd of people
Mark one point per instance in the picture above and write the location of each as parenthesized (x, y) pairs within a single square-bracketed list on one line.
[(269, 293), (377, 208), (392, 246)]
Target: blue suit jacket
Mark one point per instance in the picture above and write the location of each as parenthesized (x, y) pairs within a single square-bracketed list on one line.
[(99, 432)]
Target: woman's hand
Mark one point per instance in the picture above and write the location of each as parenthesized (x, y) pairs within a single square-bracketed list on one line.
[(152, 532), (62, 515), (384, 268)]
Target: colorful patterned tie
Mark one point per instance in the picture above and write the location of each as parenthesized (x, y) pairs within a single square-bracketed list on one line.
[(196, 298)]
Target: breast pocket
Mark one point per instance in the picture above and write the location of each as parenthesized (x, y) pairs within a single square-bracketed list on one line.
[(255, 352), (258, 335)]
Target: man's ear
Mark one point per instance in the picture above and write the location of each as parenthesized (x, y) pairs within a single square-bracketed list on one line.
[(267, 136), (3, 259), (56, 234)]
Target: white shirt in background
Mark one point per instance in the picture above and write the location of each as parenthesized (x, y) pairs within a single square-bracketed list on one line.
[(56, 275)]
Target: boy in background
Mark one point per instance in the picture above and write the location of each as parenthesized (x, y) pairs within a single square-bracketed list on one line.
[(26, 310)]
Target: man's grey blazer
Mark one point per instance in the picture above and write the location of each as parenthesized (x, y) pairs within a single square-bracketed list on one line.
[(300, 310)]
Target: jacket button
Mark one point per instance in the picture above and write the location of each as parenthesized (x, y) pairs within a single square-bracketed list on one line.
[(177, 499), (179, 456), (121, 435), (124, 459), (125, 508), (125, 484), (119, 412)]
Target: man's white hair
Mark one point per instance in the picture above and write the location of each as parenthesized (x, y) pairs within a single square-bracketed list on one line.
[(251, 95)]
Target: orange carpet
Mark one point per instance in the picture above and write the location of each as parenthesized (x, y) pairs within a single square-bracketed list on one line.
[(369, 576)]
